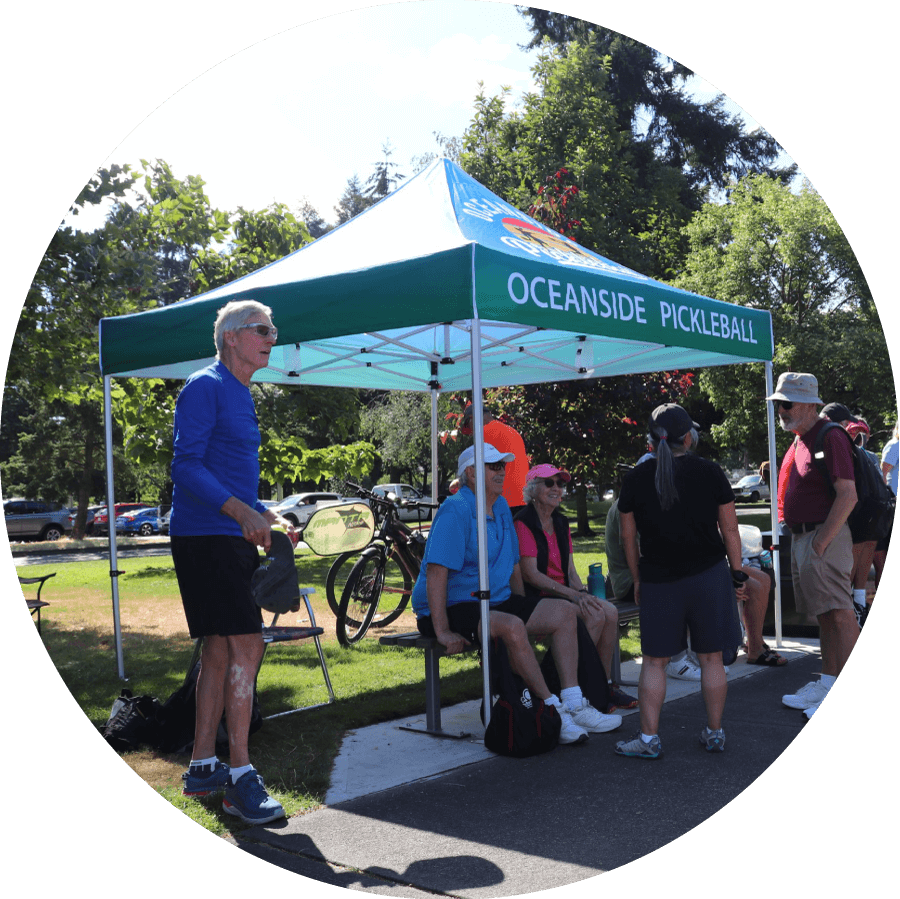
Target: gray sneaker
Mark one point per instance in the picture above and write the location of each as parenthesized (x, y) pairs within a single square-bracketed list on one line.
[(712, 740), (636, 748)]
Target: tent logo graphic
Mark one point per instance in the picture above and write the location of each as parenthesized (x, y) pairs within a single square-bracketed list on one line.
[(546, 241)]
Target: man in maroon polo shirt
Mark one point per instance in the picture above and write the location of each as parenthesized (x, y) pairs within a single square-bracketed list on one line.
[(821, 545)]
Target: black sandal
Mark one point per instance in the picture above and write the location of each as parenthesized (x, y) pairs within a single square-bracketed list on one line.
[(768, 657)]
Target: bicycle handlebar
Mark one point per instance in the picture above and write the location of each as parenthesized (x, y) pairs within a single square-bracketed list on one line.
[(385, 501)]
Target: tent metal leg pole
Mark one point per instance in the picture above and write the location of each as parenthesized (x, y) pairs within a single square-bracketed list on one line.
[(481, 516), (111, 518), (773, 504), (434, 446)]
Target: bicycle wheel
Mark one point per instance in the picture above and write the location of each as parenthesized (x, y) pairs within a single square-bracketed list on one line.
[(395, 594), (359, 601), (337, 579)]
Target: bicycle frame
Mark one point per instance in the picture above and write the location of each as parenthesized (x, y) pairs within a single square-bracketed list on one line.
[(396, 541)]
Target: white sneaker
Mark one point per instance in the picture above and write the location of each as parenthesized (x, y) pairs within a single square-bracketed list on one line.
[(592, 720), (683, 669), (811, 710), (806, 697), (571, 732)]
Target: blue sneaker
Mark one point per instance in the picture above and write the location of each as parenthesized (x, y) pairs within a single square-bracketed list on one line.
[(195, 785), (249, 801)]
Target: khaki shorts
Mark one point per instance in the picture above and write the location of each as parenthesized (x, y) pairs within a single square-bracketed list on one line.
[(822, 583)]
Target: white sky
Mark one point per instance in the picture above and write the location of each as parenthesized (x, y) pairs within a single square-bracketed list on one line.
[(287, 119)]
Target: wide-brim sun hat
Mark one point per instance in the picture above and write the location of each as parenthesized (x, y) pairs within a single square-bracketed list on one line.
[(546, 470), (491, 454), (796, 387)]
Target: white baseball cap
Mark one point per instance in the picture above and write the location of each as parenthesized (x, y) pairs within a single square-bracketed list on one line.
[(491, 454)]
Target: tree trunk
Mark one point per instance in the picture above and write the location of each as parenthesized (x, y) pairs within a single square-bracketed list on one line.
[(85, 485), (583, 528)]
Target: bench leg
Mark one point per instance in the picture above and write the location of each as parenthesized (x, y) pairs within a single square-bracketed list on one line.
[(433, 701), (617, 669)]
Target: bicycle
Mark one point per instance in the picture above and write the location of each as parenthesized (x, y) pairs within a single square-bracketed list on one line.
[(387, 567)]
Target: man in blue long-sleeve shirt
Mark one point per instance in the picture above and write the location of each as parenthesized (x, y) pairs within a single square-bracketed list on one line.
[(216, 526)]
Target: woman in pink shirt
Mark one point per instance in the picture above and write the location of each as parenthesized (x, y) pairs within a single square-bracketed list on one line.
[(548, 566)]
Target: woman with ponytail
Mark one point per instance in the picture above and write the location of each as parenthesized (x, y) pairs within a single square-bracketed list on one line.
[(686, 565)]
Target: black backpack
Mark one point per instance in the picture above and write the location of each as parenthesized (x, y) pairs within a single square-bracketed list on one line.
[(132, 722), (520, 725), (873, 515)]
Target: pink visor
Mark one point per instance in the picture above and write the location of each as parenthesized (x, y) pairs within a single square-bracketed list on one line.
[(547, 471)]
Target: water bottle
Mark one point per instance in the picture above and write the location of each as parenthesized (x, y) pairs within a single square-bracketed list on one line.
[(596, 581)]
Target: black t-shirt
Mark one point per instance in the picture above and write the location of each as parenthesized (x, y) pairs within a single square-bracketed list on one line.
[(685, 539)]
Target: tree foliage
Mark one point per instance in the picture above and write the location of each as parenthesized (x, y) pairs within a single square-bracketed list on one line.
[(781, 250), (650, 95)]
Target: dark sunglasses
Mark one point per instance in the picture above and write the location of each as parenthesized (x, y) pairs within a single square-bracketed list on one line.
[(784, 404), (550, 483), (496, 466)]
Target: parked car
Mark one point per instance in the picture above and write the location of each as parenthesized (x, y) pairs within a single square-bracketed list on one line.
[(33, 518), (140, 522), (101, 516), (299, 507), (88, 522), (752, 488), (162, 521), (406, 493)]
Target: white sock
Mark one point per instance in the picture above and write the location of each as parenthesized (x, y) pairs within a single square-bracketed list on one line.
[(553, 700), (827, 680), (238, 773), (571, 697), (645, 738), (859, 597), (199, 763)]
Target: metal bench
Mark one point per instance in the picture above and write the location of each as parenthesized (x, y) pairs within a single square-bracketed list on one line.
[(628, 611), (433, 652)]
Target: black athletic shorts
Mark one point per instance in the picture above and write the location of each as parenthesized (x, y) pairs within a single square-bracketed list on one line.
[(214, 574), (464, 617), (701, 603)]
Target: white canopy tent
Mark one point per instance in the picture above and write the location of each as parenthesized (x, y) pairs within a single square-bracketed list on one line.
[(444, 286)]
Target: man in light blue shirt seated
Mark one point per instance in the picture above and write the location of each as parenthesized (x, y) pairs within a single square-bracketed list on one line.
[(447, 610)]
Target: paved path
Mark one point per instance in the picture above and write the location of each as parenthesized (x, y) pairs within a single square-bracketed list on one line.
[(492, 826)]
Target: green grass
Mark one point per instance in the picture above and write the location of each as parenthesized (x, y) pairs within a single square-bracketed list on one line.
[(296, 752)]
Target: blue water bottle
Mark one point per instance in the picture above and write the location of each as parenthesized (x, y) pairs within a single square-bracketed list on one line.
[(596, 581)]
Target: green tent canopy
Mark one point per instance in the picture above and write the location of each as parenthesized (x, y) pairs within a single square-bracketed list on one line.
[(382, 299), (444, 286)]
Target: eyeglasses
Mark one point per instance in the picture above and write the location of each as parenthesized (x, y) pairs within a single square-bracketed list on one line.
[(262, 330), (495, 466), (550, 483), (784, 404)]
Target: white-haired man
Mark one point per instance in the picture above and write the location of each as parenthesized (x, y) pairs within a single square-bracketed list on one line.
[(216, 526)]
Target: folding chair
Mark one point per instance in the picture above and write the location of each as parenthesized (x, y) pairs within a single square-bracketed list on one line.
[(273, 634), (35, 605)]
